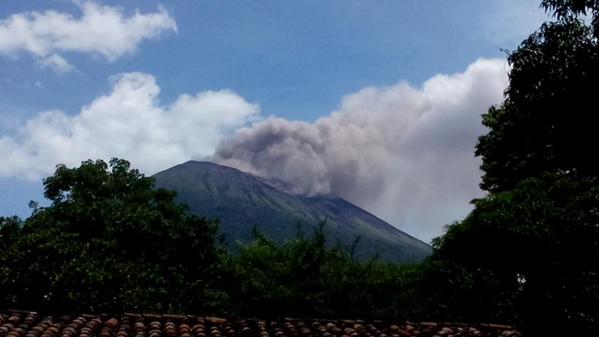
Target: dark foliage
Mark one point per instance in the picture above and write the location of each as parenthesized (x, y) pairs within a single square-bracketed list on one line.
[(108, 242), (536, 235), (540, 243), (305, 277), (566, 9), (443, 290), (546, 123)]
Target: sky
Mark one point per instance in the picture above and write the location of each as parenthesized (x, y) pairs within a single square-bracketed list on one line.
[(376, 101)]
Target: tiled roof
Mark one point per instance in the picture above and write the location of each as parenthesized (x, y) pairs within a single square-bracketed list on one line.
[(32, 324)]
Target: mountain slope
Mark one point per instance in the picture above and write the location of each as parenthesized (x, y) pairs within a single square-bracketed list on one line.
[(241, 200)]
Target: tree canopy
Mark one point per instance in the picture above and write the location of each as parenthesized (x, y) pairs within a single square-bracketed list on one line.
[(307, 277), (566, 9), (109, 241), (540, 241), (547, 122), (537, 231)]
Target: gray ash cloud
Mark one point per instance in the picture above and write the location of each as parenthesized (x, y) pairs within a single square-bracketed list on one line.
[(404, 153)]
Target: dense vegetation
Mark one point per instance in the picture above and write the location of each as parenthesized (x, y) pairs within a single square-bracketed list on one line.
[(536, 234), (108, 241), (304, 277), (527, 254)]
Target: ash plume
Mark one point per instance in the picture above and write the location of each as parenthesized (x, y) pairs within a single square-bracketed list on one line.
[(402, 152)]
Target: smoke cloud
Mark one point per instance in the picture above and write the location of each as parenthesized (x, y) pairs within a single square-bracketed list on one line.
[(401, 152)]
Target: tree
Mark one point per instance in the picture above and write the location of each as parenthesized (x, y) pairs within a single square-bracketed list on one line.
[(306, 277), (548, 120), (9, 230), (540, 240), (109, 241), (537, 232), (564, 9)]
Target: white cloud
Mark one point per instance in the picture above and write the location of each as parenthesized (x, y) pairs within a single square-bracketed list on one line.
[(130, 123), (404, 153), (56, 63), (100, 30)]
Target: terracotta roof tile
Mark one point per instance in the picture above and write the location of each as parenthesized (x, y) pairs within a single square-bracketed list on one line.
[(32, 324)]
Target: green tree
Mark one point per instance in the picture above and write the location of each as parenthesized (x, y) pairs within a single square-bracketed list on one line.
[(536, 235), (10, 228), (563, 9), (109, 241), (540, 242), (306, 277), (548, 120)]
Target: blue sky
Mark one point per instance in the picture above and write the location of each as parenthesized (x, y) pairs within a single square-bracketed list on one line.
[(257, 60)]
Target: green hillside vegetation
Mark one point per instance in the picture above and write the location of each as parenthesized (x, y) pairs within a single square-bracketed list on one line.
[(242, 201)]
